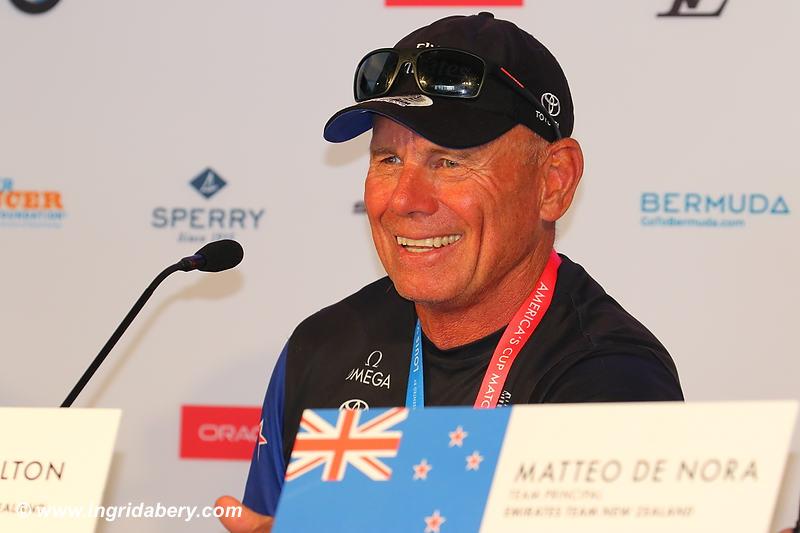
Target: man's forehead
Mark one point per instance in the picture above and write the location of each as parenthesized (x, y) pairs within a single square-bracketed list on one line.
[(388, 133), (385, 129), (391, 136)]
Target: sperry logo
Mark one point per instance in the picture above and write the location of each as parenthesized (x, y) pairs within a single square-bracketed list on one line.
[(692, 8), (208, 183)]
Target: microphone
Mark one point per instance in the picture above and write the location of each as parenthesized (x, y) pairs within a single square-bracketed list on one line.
[(213, 257)]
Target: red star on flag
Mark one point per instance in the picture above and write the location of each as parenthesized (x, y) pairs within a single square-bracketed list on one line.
[(261, 438), (421, 470), (434, 522), (474, 461), (457, 437)]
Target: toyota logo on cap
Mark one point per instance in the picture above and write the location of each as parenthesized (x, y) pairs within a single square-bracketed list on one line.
[(552, 104)]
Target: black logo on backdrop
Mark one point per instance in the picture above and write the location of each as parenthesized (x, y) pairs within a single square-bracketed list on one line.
[(695, 8), (34, 7)]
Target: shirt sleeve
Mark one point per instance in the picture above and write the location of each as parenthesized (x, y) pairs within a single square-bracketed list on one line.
[(268, 466), (616, 378)]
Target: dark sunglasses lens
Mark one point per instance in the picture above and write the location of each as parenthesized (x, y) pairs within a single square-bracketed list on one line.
[(449, 73), (374, 74)]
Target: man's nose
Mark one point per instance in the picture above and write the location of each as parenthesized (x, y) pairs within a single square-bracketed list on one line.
[(414, 193)]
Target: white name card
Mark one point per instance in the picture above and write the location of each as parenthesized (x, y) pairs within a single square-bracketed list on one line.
[(53, 467), (657, 468)]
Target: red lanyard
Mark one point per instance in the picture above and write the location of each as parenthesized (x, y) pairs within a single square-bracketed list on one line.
[(517, 333)]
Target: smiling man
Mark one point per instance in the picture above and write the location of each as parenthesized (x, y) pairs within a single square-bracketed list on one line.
[(465, 233), (471, 165)]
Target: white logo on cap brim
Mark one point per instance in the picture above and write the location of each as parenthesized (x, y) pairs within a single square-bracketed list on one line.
[(414, 100), (551, 103)]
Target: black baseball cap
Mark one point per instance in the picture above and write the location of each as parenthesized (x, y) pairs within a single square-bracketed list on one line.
[(463, 123)]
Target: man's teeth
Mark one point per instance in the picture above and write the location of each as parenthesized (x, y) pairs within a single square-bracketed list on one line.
[(422, 245)]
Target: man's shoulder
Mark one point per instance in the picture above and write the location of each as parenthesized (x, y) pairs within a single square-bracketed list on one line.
[(372, 307), (599, 319), (600, 342)]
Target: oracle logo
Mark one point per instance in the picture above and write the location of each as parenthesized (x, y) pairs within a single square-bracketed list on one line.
[(219, 432), (227, 433)]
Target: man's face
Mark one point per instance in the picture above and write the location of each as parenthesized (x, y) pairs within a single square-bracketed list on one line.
[(450, 225)]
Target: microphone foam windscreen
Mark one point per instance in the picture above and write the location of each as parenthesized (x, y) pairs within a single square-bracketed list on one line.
[(221, 255)]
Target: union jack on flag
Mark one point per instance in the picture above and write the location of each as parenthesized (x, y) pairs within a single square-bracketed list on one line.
[(320, 443)]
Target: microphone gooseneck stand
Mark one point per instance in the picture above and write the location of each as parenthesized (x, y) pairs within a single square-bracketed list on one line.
[(213, 257), (148, 292)]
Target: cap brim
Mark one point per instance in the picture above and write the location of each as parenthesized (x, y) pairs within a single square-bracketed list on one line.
[(448, 122)]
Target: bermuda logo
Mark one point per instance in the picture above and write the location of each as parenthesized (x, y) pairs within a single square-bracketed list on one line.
[(552, 104), (692, 8), (208, 183), (720, 210), (34, 7), (416, 100)]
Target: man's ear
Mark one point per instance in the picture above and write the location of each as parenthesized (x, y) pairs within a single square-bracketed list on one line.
[(561, 172)]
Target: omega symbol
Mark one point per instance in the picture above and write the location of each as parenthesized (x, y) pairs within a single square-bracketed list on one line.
[(377, 356)]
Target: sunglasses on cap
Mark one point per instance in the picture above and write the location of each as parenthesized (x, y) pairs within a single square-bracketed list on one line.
[(446, 72)]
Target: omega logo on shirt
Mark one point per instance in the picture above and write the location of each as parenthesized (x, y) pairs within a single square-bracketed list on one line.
[(368, 374)]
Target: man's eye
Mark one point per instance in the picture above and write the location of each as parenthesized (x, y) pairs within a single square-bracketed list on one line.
[(392, 159), (449, 163)]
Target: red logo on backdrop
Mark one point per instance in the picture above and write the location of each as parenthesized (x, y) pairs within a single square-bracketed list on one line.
[(453, 3), (219, 432)]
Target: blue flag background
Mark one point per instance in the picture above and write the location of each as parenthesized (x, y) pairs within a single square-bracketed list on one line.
[(402, 503)]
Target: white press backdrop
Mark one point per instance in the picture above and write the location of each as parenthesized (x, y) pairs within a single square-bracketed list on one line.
[(117, 106)]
